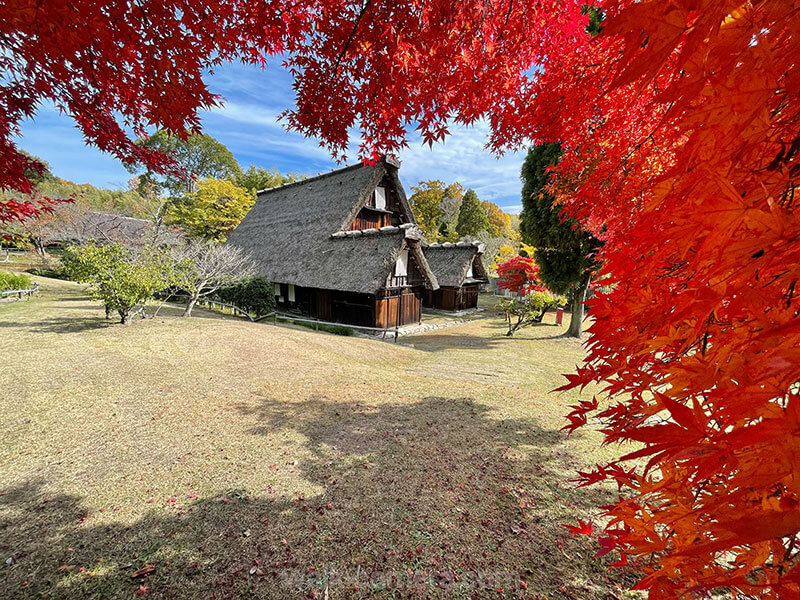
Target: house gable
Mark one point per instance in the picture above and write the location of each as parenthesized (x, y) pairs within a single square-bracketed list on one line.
[(416, 267), (479, 272), (383, 203)]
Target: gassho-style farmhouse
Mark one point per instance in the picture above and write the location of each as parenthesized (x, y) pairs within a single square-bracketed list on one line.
[(345, 247)]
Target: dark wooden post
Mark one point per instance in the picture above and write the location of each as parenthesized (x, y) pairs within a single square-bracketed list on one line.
[(399, 309)]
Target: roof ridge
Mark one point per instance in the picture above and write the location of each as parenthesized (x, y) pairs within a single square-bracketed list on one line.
[(451, 245), (113, 214), (387, 230), (316, 177)]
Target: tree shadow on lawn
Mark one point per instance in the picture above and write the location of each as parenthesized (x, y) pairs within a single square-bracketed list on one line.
[(427, 499), (440, 342), (78, 324), (60, 325), (167, 310)]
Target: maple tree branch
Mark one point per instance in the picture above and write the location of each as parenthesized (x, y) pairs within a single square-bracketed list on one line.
[(505, 25), (144, 13), (790, 293), (352, 34)]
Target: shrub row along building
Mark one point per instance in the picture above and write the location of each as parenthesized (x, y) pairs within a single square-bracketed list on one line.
[(345, 247)]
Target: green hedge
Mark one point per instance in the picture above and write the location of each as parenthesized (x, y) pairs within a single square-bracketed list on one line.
[(12, 281), (256, 295), (57, 273)]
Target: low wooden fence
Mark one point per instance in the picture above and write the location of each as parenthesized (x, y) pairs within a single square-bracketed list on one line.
[(380, 330), (9, 252), (20, 293), (274, 316), (216, 304)]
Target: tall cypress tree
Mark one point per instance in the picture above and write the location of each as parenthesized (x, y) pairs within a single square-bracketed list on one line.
[(471, 216), (565, 253)]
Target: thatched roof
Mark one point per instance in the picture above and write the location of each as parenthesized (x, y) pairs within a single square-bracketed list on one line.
[(450, 263), (104, 228), (297, 233)]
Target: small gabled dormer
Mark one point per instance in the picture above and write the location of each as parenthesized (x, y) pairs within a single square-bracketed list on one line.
[(382, 209)]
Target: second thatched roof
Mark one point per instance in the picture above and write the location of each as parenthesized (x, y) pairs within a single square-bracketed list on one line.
[(106, 228), (450, 263)]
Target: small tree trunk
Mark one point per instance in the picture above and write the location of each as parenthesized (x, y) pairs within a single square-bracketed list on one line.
[(124, 314), (512, 327), (187, 312), (576, 318), (40, 248)]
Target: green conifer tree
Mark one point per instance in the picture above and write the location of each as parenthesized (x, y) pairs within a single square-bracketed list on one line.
[(471, 216)]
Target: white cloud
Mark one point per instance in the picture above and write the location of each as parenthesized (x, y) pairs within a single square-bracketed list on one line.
[(463, 158), (254, 135), (249, 114), (272, 85)]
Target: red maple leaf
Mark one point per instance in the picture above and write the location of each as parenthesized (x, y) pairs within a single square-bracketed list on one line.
[(583, 528)]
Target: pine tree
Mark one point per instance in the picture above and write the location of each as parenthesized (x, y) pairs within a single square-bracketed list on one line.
[(471, 216), (565, 253)]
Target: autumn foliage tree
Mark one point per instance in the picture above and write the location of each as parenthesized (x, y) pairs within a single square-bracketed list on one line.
[(122, 69), (521, 274), (435, 205), (680, 124), (682, 138), (499, 222)]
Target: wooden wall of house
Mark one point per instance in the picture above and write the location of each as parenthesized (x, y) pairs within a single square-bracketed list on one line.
[(453, 298), (353, 308), (469, 297), (331, 305), (322, 305), (401, 308), (393, 204), (370, 219)]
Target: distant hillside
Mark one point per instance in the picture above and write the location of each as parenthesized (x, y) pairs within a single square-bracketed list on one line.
[(129, 203)]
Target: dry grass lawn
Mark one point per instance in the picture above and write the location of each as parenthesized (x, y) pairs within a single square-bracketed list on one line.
[(237, 460)]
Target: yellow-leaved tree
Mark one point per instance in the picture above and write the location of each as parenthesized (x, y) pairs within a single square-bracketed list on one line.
[(213, 210)]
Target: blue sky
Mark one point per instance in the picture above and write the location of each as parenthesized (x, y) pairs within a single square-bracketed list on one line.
[(247, 124)]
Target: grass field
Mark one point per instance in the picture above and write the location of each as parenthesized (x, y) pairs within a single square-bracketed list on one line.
[(237, 460)]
